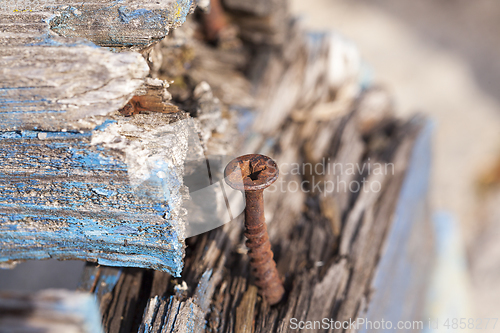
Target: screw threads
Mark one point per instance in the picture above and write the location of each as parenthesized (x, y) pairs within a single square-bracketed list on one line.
[(252, 174), (261, 256)]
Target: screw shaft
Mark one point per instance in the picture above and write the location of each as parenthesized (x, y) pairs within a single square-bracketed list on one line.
[(252, 174), (261, 257)]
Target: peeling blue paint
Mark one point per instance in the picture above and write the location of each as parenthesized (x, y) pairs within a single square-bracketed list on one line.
[(103, 191), (147, 18), (62, 198), (10, 135)]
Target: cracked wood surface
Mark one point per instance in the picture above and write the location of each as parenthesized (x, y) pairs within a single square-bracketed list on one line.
[(111, 196), (123, 23), (327, 246), (321, 281), (56, 63), (57, 88), (78, 180)]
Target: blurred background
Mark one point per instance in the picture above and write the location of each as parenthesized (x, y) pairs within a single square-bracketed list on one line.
[(438, 57), (441, 58)]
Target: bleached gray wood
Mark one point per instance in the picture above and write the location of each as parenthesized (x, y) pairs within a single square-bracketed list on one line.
[(54, 73), (126, 23), (58, 88), (177, 315)]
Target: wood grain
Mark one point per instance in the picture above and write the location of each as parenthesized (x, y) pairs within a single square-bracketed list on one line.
[(56, 63)]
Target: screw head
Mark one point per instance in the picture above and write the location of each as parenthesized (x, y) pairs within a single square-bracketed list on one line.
[(251, 172)]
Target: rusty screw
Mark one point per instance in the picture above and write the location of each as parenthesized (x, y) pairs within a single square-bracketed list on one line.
[(252, 174), (215, 21)]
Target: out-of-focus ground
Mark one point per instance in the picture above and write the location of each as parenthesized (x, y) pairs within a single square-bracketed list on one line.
[(441, 58), (35, 275)]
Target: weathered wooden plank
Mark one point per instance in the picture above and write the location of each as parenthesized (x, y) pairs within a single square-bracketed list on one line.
[(112, 195), (122, 23), (55, 88), (54, 74), (327, 244), (112, 181), (56, 311), (321, 282), (79, 181)]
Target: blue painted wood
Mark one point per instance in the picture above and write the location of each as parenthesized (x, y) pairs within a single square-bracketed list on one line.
[(61, 197), (73, 81)]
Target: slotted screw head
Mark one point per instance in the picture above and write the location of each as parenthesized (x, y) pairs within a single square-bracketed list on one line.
[(251, 172)]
